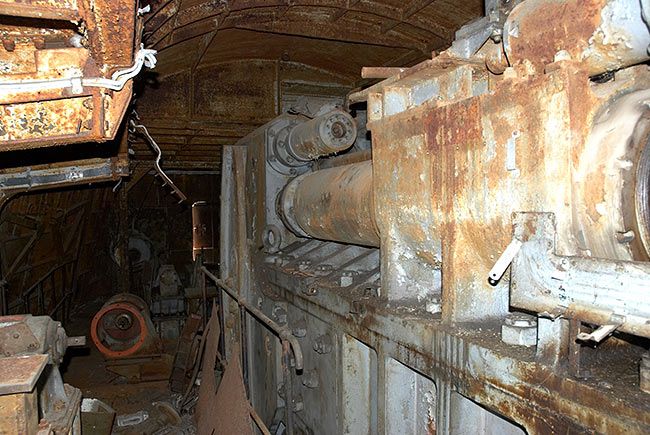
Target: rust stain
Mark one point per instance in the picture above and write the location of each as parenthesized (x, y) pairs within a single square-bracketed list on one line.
[(551, 27)]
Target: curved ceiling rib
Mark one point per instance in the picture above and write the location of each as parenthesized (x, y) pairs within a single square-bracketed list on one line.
[(178, 20)]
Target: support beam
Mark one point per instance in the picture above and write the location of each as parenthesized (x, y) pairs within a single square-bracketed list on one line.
[(412, 8), (341, 12)]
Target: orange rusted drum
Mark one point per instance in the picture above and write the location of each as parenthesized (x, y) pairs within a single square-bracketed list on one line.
[(123, 328)]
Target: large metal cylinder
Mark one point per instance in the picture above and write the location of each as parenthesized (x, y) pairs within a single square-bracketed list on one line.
[(332, 204), (602, 35), (123, 328), (612, 182), (327, 134)]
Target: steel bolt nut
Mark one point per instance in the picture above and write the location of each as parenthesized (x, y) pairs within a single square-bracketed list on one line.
[(298, 404), (304, 265), (299, 328), (310, 379), (347, 278), (323, 344), (519, 329), (434, 305), (280, 315), (324, 269), (644, 372)]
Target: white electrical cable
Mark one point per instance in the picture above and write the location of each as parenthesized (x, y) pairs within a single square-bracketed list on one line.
[(144, 56)]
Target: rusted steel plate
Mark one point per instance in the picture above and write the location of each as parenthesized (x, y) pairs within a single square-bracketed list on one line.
[(227, 410), (53, 9), (19, 374), (41, 106), (231, 405), (205, 407), (45, 118)]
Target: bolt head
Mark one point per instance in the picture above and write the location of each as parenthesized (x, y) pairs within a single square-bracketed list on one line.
[(346, 281), (521, 320), (519, 329)]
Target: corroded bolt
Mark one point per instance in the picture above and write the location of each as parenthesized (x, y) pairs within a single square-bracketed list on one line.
[(9, 44), (625, 237), (304, 265), (280, 314), (521, 320), (338, 130), (299, 328), (519, 329), (323, 344), (310, 379), (298, 404), (434, 305), (324, 269), (347, 278)]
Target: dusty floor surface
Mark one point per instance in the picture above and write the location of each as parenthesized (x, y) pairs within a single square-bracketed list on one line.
[(85, 369)]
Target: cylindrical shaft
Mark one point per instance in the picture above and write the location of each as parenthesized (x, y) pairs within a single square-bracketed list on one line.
[(602, 35), (326, 134), (332, 204)]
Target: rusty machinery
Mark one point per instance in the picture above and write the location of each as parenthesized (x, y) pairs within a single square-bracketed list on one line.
[(486, 265), (66, 78), (123, 331), (33, 397)]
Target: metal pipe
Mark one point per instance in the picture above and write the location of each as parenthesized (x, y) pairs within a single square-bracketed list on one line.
[(326, 134), (283, 332), (288, 386), (601, 35), (332, 204)]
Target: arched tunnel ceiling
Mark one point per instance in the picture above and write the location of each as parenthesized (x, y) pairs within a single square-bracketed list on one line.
[(226, 66), (326, 33)]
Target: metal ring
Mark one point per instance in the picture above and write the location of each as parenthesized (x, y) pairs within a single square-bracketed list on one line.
[(121, 353)]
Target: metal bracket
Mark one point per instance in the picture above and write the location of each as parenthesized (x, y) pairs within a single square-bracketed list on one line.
[(603, 331), (504, 261), (511, 154)]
